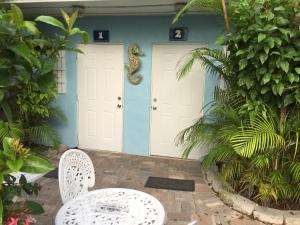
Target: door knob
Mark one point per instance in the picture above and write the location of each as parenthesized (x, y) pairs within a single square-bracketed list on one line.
[(119, 106), (119, 98)]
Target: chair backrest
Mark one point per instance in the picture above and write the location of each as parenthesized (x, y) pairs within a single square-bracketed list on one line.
[(75, 173)]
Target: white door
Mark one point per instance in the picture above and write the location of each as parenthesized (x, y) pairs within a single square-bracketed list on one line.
[(100, 96), (175, 105)]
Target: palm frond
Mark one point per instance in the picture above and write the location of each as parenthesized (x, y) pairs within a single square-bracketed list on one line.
[(215, 62), (259, 135), (43, 134), (213, 5), (266, 193), (295, 171), (226, 132), (225, 114), (261, 161), (7, 110), (57, 115), (13, 129), (214, 127), (296, 193), (199, 134), (286, 191), (218, 153), (232, 170), (251, 178), (227, 97)]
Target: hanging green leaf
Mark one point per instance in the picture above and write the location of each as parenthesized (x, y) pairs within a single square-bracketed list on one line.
[(36, 164), (66, 17), (266, 78), (17, 15), (16, 165), (284, 66), (261, 37), (83, 34), (242, 64), (73, 20), (34, 207), (264, 90), (51, 21), (280, 88), (7, 149), (263, 58), (21, 49), (31, 26), (291, 77)]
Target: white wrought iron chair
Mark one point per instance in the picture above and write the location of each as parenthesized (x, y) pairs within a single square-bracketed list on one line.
[(75, 173)]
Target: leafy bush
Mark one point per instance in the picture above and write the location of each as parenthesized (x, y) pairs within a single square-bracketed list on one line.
[(258, 157), (265, 51), (27, 90), (27, 80), (253, 126)]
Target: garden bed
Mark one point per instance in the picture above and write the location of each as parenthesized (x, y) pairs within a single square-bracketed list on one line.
[(250, 208)]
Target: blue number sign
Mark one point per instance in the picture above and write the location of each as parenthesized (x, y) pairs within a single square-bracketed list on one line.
[(101, 35), (178, 34)]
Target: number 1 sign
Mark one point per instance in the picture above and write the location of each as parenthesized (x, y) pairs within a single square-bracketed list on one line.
[(101, 35), (178, 34)]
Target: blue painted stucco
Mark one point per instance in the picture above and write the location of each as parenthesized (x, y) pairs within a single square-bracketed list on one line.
[(145, 31)]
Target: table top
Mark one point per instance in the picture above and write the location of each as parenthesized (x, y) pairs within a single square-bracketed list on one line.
[(111, 206)]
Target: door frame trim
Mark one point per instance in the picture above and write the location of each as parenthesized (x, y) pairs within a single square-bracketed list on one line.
[(123, 91), (151, 95)]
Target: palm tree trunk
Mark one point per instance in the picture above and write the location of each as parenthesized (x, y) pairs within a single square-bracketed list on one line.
[(227, 23)]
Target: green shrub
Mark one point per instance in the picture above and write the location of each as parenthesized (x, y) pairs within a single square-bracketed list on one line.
[(265, 51), (27, 81), (253, 126)]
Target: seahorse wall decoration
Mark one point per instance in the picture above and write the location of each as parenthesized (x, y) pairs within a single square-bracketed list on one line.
[(133, 67)]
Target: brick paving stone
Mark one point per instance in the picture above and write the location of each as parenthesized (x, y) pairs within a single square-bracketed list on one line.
[(178, 216), (244, 221), (127, 171), (202, 187)]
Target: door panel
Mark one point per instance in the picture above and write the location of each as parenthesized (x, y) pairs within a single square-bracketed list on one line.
[(100, 84), (175, 104)]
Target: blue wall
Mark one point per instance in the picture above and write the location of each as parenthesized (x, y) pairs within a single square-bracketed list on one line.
[(144, 31)]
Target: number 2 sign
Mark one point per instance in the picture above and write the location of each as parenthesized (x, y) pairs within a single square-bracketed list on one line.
[(101, 35), (178, 34)]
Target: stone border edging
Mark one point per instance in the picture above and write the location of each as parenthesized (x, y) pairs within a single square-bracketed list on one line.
[(250, 208)]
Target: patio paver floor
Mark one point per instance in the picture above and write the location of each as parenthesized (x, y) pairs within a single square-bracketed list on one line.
[(128, 171)]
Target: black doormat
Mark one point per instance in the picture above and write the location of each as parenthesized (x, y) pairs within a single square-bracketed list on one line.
[(170, 184), (53, 174)]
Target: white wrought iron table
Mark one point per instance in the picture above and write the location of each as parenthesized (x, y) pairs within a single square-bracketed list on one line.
[(112, 206)]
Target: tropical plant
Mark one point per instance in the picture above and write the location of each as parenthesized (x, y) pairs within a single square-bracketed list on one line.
[(265, 51), (27, 91), (258, 156), (27, 81), (253, 126), (14, 203)]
